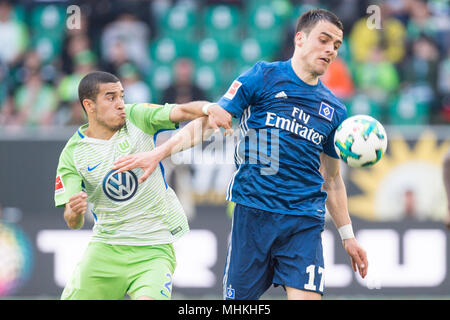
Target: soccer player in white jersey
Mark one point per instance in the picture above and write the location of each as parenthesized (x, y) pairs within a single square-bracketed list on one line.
[(136, 223)]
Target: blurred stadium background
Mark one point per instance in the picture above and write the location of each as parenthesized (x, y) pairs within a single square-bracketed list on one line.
[(396, 69)]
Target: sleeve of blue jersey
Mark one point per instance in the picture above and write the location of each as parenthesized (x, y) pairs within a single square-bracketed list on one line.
[(251, 81)]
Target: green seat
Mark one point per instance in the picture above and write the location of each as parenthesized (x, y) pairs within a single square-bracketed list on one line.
[(210, 53), (159, 80), (48, 20), (179, 24), (264, 18), (19, 12), (47, 47), (252, 4), (209, 78), (267, 27), (282, 8), (253, 50), (208, 50), (406, 109), (164, 50), (179, 21), (222, 22), (362, 104)]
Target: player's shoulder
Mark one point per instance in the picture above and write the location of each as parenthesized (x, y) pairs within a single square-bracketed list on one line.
[(263, 67), (129, 106), (74, 140), (267, 67), (138, 110), (327, 94), (262, 74)]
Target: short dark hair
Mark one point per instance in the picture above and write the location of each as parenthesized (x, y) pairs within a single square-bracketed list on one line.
[(88, 87), (308, 20)]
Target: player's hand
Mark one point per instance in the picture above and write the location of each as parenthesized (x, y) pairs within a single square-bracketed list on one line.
[(78, 202), (147, 161), (219, 117), (357, 255)]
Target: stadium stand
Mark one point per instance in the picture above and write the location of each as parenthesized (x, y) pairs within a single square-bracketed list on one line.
[(399, 73)]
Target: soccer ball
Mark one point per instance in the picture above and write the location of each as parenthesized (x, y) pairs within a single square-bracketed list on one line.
[(360, 141)]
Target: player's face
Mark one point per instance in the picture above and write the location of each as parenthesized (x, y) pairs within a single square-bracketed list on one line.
[(319, 47), (109, 106)]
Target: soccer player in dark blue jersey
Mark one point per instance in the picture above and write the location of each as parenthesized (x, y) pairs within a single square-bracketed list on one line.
[(287, 170)]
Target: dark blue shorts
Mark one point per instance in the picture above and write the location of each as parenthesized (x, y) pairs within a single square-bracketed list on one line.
[(270, 248)]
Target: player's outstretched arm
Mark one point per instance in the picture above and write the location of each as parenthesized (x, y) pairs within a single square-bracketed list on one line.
[(337, 207), (191, 134), (446, 173), (196, 109), (187, 111), (75, 209)]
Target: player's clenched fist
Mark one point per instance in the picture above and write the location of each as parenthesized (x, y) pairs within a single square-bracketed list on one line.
[(78, 202), (75, 209), (219, 117)]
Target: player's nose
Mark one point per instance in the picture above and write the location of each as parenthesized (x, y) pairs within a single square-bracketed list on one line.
[(120, 105), (329, 50)]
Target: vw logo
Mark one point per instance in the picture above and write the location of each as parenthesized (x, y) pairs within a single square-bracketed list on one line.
[(120, 186)]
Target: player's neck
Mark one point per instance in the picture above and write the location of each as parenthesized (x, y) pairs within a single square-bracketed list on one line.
[(97, 131), (302, 71)]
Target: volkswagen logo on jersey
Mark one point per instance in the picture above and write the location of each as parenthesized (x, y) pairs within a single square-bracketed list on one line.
[(120, 186)]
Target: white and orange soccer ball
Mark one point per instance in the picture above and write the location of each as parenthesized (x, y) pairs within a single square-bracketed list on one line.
[(360, 141)]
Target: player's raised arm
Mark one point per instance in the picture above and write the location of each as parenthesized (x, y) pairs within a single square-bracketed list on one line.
[(195, 109), (191, 134), (337, 207), (187, 111)]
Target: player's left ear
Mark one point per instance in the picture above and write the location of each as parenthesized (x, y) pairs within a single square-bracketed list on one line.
[(299, 38), (89, 105)]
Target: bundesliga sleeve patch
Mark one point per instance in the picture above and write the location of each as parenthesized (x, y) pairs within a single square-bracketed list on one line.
[(59, 186), (233, 90)]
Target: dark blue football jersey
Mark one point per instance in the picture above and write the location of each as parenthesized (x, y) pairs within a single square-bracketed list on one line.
[(285, 124)]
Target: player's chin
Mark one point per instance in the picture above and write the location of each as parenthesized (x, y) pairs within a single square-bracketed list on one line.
[(118, 125), (320, 70)]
